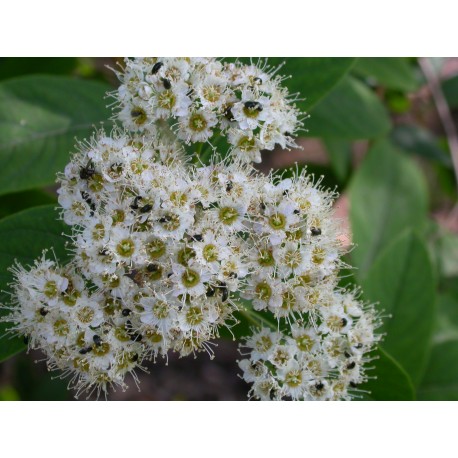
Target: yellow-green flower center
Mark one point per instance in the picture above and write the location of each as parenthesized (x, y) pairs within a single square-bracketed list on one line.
[(318, 255), (98, 232), (125, 248), (210, 253), (101, 350), (263, 344), (211, 93), (155, 248), (190, 278), (185, 255), (96, 183), (166, 100), (277, 221), (197, 122), (85, 314), (121, 334), (50, 289), (265, 258), (178, 198), (194, 316), (293, 258), (304, 342), (263, 291), (161, 309), (293, 378), (228, 215), (61, 327), (288, 300), (246, 144)]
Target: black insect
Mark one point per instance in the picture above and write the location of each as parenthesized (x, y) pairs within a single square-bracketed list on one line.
[(346, 354), (233, 275), (43, 311), (197, 238), (229, 186), (228, 114), (257, 80), (315, 231), (156, 67), (135, 337), (250, 105), (165, 219), (97, 340), (210, 291), (83, 351), (296, 212), (360, 345), (134, 358), (319, 386), (134, 206), (344, 322), (152, 268), (87, 172), (88, 200), (137, 113), (225, 291), (351, 365), (135, 276), (167, 84), (126, 312), (146, 208)]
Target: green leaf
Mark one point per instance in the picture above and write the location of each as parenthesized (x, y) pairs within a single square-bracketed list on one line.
[(417, 140), (447, 318), (447, 254), (340, 154), (402, 281), (11, 67), (391, 72), (351, 111), (39, 119), (9, 393), (440, 382), (23, 236), (13, 203), (450, 88), (392, 383), (312, 77), (387, 195)]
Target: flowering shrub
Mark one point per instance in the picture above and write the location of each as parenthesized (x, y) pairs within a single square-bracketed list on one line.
[(163, 248), (173, 236)]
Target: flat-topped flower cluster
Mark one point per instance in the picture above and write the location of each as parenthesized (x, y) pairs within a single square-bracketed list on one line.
[(167, 250)]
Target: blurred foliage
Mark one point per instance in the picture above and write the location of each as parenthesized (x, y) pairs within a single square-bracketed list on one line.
[(406, 262)]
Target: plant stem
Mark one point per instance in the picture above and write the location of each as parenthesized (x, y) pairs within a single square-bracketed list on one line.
[(442, 109)]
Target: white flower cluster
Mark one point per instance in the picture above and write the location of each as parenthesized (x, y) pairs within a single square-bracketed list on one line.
[(164, 251), (322, 359), (245, 103)]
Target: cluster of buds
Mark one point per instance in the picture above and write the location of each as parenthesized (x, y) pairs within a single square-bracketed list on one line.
[(166, 250)]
